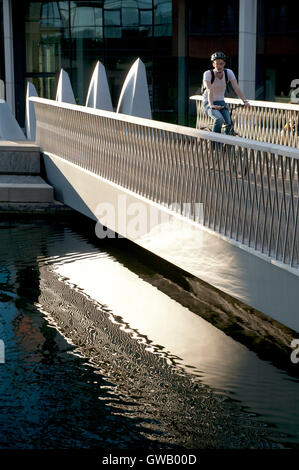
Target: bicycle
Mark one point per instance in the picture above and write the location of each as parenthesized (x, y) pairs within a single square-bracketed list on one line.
[(232, 132)]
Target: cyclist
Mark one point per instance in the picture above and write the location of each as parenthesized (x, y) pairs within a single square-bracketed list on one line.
[(215, 83)]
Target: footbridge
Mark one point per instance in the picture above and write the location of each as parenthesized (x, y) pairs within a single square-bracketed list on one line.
[(223, 208)]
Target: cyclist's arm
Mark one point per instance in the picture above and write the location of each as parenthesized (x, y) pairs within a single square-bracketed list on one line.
[(208, 86), (239, 92)]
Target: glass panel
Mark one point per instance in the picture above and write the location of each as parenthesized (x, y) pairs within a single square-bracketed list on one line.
[(112, 18), (163, 17), (47, 42), (129, 4), (87, 43), (45, 86), (51, 15), (32, 12), (112, 32), (146, 17), (43, 51), (145, 4), (112, 4), (112, 21), (130, 16), (87, 21), (86, 16)]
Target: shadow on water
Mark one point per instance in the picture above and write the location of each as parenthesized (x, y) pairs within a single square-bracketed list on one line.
[(81, 376)]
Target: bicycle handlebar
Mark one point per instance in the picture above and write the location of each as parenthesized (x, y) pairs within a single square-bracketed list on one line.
[(240, 105)]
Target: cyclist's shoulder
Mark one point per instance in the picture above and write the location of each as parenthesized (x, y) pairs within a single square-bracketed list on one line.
[(230, 73), (207, 74)]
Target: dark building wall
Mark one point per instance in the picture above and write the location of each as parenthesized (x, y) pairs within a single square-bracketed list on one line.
[(18, 12), (2, 61), (277, 49)]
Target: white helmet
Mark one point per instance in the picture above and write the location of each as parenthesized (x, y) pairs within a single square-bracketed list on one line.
[(218, 55)]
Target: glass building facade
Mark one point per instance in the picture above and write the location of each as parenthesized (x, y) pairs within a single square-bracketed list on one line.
[(73, 35), (174, 39)]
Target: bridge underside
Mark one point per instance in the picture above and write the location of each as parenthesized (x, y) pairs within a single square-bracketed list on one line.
[(233, 268)]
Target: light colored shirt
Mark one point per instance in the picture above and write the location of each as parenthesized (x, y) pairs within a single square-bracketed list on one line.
[(218, 86)]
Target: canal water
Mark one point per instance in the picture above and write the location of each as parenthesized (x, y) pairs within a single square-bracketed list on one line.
[(105, 346)]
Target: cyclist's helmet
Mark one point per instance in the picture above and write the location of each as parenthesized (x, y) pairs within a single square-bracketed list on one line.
[(218, 55)]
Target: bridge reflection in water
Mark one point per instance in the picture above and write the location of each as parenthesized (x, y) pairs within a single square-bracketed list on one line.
[(173, 360), (107, 288)]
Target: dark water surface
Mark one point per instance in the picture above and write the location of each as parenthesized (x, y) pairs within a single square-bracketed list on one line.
[(109, 347)]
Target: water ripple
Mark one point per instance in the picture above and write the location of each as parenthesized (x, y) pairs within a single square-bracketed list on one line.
[(81, 372)]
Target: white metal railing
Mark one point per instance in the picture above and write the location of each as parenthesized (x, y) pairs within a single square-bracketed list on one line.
[(265, 121), (249, 189)]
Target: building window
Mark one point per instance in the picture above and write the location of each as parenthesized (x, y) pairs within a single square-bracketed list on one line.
[(277, 50)]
